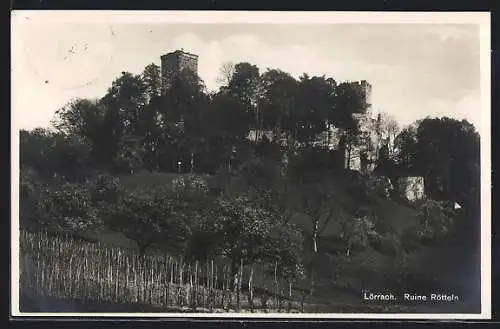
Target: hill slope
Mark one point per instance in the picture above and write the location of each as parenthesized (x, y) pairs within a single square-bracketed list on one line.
[(342, 279)]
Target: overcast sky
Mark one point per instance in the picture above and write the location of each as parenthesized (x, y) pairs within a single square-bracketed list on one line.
[(415, 69)]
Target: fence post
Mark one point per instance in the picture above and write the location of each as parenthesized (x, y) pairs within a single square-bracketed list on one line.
[(196, 288), (250, 289), (276, 284), (237, 289), (153, 286), (180, 282), (167, 283), (227, 290), (190, 288), (212, 275)]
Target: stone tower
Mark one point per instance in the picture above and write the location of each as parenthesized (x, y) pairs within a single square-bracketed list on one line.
[(367, 88), (173, 63)]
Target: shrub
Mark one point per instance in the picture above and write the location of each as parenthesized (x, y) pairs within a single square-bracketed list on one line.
[(190, 183), (387, 243), (105, 188), (311, 162), (29, 194), (247, 233), (357, 187), (146, 217), (68, 207), (357, 232), (379, 186), (260, 172), (434, 221), (409, 241)]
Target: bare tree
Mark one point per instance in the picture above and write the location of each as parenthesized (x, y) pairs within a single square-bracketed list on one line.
[(226, 72), (385, 129), (390, 129)]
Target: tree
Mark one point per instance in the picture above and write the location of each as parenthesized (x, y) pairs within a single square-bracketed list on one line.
[(80, 117), (386, 130), (67, 207), (35, 151), (351, 103), (151, 78), (227, 125), (127, 96), (248, 234), (226, 73), (265, 185), (30, 188), (74, 153), (278, 100), (406, 149), (129, 156), (149, 125), (245, 86), (145, 217), (434, 222), (105, 190), (191, 199), (123, 103), (350, 106), (315, 199), (183, 112), (54, 154), (392, 129), (448, 156), (314, 103), (357, 231), (151, 133)]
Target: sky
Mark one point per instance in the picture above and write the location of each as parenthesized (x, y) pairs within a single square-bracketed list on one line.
[(415, 69)]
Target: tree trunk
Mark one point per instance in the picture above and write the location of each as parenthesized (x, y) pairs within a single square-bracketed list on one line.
[(234, 274), (142, 247), (328, 135), (256, 125), (312, 263), (250, 290), (348, 157), (315, 236), (192, 162)]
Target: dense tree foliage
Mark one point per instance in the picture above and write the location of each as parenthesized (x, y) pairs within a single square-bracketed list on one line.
[(289, 141)]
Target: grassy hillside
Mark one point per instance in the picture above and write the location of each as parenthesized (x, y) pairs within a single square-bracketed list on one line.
[(342, 279)]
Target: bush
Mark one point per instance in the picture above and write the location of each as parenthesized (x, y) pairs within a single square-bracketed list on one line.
[(68, 207), (434, 221), (245, 232), (146, 217), (105, 188), (409, 241), (358, 232), (357, 187), (29, 194), (387, 243), (190, 183), (312, 162), (260, 172), (55, 154), (379, 186)]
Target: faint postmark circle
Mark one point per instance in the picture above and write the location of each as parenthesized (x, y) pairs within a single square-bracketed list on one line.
[(72, 61)]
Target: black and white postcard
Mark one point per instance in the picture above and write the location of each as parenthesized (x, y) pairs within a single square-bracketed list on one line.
[(292, 165)]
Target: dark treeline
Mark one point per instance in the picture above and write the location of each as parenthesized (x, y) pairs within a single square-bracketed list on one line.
[(134, 126)]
